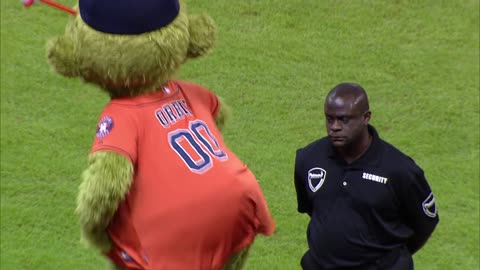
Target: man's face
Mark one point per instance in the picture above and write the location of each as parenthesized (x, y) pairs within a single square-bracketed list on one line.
[(344, 121)]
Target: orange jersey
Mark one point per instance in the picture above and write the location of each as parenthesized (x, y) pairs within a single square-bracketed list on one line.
[(192, 202)]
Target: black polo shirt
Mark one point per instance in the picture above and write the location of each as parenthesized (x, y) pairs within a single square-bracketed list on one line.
[(361, 211)]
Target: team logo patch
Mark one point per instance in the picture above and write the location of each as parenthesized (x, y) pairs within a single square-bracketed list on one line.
[(429, 207), (316, 177), (104, 127)]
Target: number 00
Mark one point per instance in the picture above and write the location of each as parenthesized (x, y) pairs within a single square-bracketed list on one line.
[(201, 141)]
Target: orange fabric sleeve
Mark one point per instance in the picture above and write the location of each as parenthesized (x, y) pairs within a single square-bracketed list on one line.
[(203, 95), (116, 131), (264, 221)]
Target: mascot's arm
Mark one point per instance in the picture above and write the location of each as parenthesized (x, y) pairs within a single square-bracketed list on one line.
[(223, 114), (105, 183), (236, 261)]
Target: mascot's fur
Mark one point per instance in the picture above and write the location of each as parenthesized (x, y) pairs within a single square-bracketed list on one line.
[(126, 66)]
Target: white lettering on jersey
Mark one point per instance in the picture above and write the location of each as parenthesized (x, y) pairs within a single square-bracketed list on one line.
[(171, 112)]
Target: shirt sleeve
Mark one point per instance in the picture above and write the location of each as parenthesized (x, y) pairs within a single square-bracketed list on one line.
[(264, 221), (303, 203), (116, 131), (418, 206), (204, 96)]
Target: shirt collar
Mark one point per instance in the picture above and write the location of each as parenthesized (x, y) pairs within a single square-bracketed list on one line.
[(370, 157)]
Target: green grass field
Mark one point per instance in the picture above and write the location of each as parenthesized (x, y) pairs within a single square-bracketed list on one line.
[(274, 62)]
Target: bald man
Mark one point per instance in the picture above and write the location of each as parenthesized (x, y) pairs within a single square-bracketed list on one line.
[(370, 205)]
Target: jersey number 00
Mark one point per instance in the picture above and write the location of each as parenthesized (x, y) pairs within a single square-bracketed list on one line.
[(196, 146)]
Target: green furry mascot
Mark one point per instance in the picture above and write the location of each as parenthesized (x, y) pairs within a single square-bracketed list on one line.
[(161, 190)]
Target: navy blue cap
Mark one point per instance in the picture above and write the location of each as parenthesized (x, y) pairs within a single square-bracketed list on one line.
[(128, 17)]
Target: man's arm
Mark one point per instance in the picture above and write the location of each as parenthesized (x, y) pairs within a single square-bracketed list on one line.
[(416, 242), (421, 210), (303, 202)]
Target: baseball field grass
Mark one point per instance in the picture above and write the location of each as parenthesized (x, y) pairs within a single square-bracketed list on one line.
[(274, 62)]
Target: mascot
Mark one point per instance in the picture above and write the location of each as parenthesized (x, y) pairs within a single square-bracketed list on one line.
[(161, 190)]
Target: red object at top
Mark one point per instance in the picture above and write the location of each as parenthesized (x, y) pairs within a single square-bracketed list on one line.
[(28, 3)]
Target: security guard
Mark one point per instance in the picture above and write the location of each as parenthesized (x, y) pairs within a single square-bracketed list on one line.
[(370, 205)]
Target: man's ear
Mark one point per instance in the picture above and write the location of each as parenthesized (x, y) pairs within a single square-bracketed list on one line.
[(202, 31), (366, 117)]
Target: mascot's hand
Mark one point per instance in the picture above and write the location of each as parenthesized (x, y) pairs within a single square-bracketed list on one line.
[(99, 240), (105, 183), (223, 114)]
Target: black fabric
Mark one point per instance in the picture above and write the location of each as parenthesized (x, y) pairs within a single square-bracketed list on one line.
[(128, 17), (363, 210), (397, 259)]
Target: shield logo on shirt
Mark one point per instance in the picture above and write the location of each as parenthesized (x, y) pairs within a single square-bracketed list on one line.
[(316, 177)]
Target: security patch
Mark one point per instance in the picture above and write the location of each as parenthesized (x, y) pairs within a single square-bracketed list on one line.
[(375, 178), (316, 177), (429, 207), (104, 127)]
